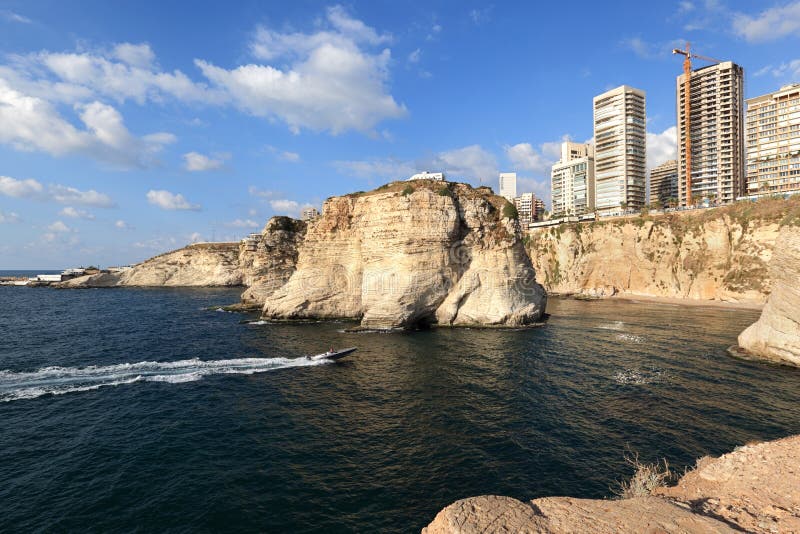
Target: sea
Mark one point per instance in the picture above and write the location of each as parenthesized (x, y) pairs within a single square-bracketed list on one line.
[(155, 410)]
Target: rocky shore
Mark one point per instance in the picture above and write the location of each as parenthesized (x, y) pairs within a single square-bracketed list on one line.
[(755, 488)]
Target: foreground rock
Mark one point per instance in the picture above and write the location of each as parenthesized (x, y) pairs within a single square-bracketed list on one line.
[(410, 254), (776, 334), (756, 488), (719, 254), (197, 265)]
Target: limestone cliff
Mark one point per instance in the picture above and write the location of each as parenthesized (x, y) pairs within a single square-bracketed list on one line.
[(200, 264), (413, 253), (756, 488), (720, 254), (267, 263), (776, 334)]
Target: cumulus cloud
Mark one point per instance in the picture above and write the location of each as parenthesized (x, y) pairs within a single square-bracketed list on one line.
[(239, 223), (196, 162), (170, 201), (333, 79), (122, 225), (8, 217), (662, 147), (59, 227), (292, 157), (789, 69), (769, 25), (261, 193), (526, 157), (285, 207), (62, 194), (73, 213), (389, 169), (32, 123)]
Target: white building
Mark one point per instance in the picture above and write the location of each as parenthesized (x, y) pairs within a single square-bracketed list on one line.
[(572, 180), (425, 175), (773, 142), (620, 150), (309, 213), (508, 185), (524, 204)]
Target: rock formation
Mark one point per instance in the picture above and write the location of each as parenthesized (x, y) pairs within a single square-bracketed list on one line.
[(756, 488), (413, 253), (268, 262), (720, 254), (776, 334)]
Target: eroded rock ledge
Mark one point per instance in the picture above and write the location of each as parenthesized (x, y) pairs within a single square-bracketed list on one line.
[(756, 488)]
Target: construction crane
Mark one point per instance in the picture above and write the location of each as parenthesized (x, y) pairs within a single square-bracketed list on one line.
[(687, 110)]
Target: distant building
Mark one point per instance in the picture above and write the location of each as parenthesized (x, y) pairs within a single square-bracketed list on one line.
[(717, 125), (437, 176), (773, 142), (508, 185), (538, 208), (572, 180), (309, 213), (664, 183), (620, 140), (524, 205)]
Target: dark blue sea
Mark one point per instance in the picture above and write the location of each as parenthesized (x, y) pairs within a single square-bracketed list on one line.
[(142, 410)]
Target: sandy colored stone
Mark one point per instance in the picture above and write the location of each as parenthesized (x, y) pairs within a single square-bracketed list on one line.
[(489, 514), (396, 260), (776, 334)]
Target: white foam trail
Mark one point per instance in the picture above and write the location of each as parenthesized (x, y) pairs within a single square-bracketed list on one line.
[(60, 380)]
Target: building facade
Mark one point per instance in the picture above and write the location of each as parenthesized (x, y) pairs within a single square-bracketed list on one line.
[(620, 139), (508, 185), (773, 142), (525, 205), (425, 175), (716, 100), (572, 180), (309, 213), (664, 184)]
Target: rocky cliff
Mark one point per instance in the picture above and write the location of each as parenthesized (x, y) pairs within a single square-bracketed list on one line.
[(756, 488), (413, 253), (268, 263), (776, 334), (719, 254)]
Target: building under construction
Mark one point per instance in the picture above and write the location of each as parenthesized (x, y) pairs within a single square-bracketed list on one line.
[(717, 161)]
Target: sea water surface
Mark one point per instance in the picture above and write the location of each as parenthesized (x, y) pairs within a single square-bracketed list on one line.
[(135, 409)]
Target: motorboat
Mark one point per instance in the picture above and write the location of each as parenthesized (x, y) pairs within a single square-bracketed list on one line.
[(334, 354)]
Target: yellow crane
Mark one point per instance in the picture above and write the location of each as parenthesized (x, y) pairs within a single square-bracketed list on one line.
[(687, 110)]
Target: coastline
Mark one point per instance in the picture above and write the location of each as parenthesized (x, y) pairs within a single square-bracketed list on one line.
[(671, 301)]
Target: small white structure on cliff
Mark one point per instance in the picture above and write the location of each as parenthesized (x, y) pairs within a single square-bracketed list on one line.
[(309, 213), (425, 175)]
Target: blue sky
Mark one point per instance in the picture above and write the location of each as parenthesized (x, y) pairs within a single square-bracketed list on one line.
[(131, 128)]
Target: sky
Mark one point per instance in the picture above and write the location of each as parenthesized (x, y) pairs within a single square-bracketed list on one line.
[(132, 128)]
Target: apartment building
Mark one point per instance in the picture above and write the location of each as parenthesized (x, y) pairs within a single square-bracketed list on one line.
[(664, 183), (508, 185), (716, 100), (773, 142), (620, 150), (572, 180), (524, 204)]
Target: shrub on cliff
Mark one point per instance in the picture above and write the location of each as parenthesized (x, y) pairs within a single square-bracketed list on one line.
[(510, 211), (407, 191), (445, 192), (646, 478)]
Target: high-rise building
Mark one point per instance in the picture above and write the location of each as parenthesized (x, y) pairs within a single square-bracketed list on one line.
[(664, 183), (508, 185), (620, 150), (524, 205), (716, 100), (572, 180), (773, 142), (538, 209)]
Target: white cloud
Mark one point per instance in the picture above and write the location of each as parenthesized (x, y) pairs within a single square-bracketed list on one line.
[(136, 55), (526, 157), (73, 213), (9, 217), (414, 56), (333, 79), (239, 223), (195, 237), (646, 50), (195, 162), (389, 169), (262, 193), (19, 188), (32, 123), (14, 17), (789, 69), (662, 147), (69, 195), (59, 227), (122, 225), (292, 157), (285, 207), (170, 201), (769, 25)]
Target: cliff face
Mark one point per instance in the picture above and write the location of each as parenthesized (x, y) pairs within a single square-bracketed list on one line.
[(776, 334), (756, 488), (720, 254), (268, 263), (409, 254)]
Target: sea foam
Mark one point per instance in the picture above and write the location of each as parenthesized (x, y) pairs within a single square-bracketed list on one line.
[(61, 380)]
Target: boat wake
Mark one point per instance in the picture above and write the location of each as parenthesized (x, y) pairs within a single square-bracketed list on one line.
[(640, 377), (61, 380)]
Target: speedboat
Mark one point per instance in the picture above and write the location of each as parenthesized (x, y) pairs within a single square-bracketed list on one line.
[(334, 354)]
